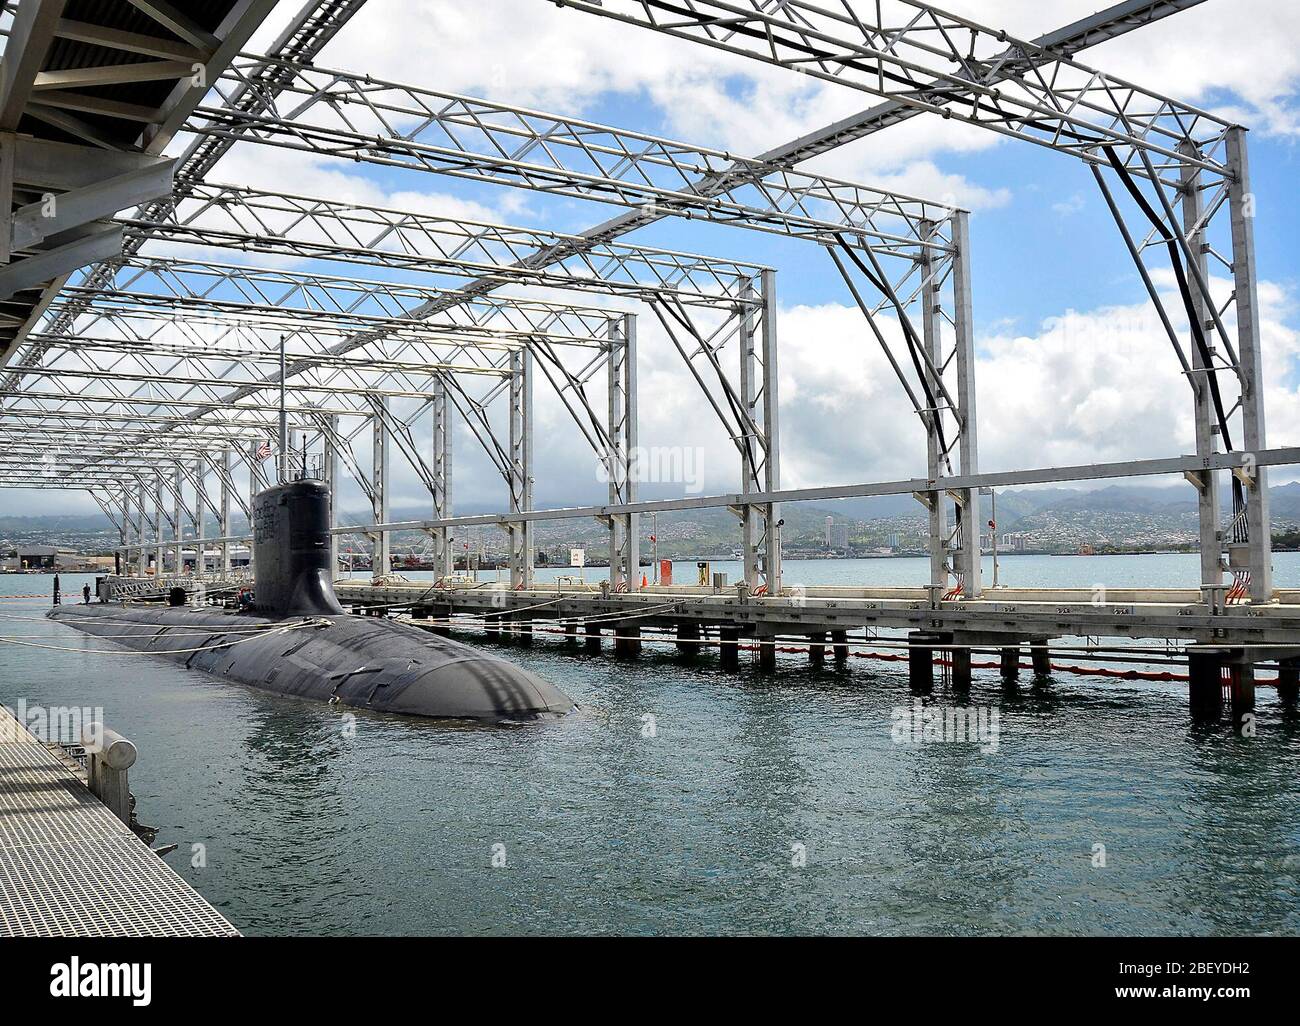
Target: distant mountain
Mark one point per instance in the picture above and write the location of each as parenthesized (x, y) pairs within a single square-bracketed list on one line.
[(84, 523), (1013, 505)]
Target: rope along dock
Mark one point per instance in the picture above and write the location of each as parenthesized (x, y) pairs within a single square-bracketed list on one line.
[(69, 867)]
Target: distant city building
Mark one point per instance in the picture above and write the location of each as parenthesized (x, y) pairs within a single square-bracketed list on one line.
[(830, 524)]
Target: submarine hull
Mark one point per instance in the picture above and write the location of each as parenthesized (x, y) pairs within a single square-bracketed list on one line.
[(360, 662)]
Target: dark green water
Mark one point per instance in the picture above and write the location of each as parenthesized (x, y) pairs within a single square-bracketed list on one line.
[(392, 830)]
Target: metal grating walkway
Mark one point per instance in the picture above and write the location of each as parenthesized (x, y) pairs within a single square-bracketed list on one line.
[(69, 867)]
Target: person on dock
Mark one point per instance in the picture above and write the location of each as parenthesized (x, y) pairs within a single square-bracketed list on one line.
[(85, 594), (58, 599)]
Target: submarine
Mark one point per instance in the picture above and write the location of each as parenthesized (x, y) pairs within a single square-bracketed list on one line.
[(298, 640)]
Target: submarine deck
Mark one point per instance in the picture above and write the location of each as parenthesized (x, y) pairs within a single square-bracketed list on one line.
[(69, 867)]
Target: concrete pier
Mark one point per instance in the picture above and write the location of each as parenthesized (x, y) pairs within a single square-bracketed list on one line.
[(688, 638), (826, 616), (1040, 657), (1205, 687), (729, 647), (840, 646), (627, 640), (1241, 690), (523, 630), (571, 635), (959, 656), (1288, 682), (920, 661), (1009, 664), (817, 649)]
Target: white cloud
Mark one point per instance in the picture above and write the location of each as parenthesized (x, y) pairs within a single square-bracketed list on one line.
[(1068, 208)]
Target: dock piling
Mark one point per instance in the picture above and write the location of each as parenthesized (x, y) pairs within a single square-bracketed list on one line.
[(1288, 681), (523, 632), (959, 658), (817, 649), (729, 647), (840, 646), (627, 640), (920, 661), (1009, 664), (1242, 690), (1041, 657), (1205, 688)]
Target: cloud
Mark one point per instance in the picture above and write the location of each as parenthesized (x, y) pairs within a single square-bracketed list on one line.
[(1068, 208)]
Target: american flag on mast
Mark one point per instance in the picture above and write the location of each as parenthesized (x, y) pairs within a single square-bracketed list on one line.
[(264, 450)]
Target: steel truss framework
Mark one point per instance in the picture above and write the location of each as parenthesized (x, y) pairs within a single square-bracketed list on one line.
[(184, 353), (902, 248), (1176, 168)]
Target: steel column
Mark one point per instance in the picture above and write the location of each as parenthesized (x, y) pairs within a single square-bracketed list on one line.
[(442, 536), (771, 429), (159, 548), (224, 526), (933, 342), (1242, 212), (142, 555), (125, 533), (751, 571), (178, 521), (521, 467), (1207, 427), (632, 523), (620, 457), (968, 553), (381, 562), (330, 470), (200, 514)]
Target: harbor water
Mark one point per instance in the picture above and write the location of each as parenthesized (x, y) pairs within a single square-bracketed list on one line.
[(682, 798)]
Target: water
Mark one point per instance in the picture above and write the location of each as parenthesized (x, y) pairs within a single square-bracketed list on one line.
[(392, 831)]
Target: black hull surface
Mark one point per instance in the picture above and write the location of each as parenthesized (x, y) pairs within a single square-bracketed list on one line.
[(364, 663)]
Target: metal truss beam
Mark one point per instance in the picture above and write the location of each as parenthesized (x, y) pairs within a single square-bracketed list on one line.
[(359, 302), (361, 118), (930, 60), (267, 222), (1177, 167)]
